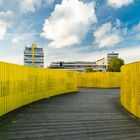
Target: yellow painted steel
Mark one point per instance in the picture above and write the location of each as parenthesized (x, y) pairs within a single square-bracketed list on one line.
[(20, 85), (130, 88), (99, 79), (33, 53)]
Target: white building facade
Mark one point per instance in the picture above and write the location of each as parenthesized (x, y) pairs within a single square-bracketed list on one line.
[(77, 66), (105, 61), (34, 57)]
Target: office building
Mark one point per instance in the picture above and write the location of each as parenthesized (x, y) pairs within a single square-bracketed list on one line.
[(99, 65), (34, 56), (77, 66), (105, 61)]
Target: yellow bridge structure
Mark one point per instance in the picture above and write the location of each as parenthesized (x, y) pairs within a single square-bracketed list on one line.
[(92, 110)]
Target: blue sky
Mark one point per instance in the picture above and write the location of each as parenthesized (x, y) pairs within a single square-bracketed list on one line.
[(70, 30)]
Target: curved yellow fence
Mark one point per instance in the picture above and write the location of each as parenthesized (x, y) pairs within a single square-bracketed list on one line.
[(20, 85), (99, 79), (130, 87)]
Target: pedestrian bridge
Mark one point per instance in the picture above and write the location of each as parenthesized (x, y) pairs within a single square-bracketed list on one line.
[(30, 109), (90, 114)]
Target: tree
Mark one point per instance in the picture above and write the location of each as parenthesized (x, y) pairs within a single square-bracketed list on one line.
[(88, 69), (115, 65)]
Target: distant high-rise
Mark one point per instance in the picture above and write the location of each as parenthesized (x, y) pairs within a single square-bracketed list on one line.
[(34, 56)]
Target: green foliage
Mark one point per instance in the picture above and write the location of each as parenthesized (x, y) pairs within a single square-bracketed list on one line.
[(88, 69), (115, 65)]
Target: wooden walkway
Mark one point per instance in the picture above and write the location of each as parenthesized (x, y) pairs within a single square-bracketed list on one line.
[(90, 114)]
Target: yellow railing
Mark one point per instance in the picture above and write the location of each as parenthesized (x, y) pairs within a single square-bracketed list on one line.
[(99, 79), (20, 85), (130, 88)]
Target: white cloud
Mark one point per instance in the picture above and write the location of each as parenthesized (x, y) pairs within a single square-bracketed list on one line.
[(3, 29), (23, 38), (110, 40), (29, 5), (6, 20), (119, 3), (69, 23), (7, 16), (130, 54), (25, 6), (14, 59), (106, 36), (17, 39)]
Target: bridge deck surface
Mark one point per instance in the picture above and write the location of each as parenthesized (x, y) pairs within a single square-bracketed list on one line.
[(91, 114)]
